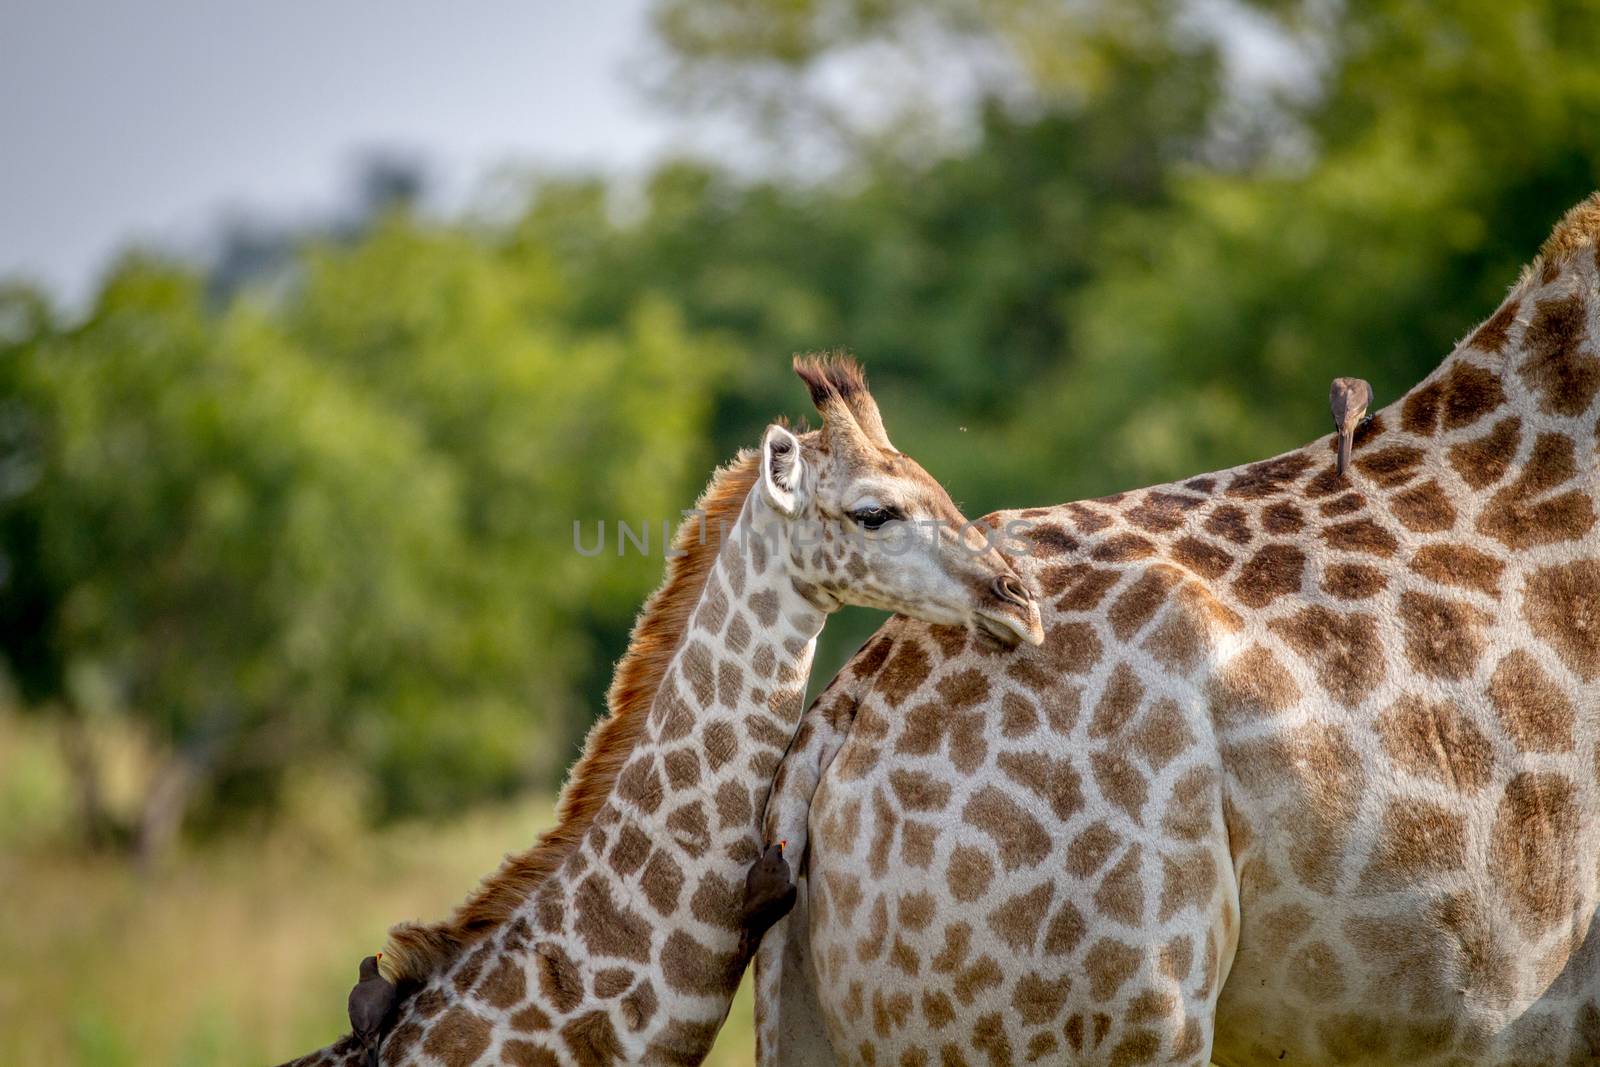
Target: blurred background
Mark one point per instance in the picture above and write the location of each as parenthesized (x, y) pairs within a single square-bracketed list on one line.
[(321, 324)]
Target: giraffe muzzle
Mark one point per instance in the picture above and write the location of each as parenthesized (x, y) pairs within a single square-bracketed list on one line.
[(1014, 617)]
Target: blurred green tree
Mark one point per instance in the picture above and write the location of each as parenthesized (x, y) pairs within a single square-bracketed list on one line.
[(335, 527)]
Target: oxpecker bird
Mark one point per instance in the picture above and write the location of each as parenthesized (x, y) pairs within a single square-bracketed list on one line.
[(370, 1002), (1348, 399), (769, 893)]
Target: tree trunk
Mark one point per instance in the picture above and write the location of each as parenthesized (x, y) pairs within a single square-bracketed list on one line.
[(166, 803), (95, 823)]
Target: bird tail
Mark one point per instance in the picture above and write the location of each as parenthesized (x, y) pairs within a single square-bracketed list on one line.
[(1344, 451)]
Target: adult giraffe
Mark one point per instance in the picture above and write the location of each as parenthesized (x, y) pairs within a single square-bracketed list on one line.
[(1304, 772), (616, 939)]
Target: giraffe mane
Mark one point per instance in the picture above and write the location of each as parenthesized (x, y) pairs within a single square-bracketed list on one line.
[(1578, 228), (417, 950)]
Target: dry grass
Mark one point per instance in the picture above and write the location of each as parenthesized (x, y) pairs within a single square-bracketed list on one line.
[(238, 953)]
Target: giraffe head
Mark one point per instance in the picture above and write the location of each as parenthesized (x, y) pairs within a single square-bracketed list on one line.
[(866, 525)]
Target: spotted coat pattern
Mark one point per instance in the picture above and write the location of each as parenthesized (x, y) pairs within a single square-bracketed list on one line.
[(1304, 772)]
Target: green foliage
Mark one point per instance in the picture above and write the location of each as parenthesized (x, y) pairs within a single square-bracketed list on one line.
[(338, 526), (329, 519)]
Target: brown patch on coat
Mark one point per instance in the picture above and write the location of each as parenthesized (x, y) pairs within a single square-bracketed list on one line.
[(918, 790), (529, 1019), (1435, 740), (1069, 648), (1016, 921), (1496, 331), (1019, 838), (560, 982), (1087, 519), (1443, 638), (1537, 714), (1193, 804), (1275, 570), (592, 1040), (1161, 511), (1249, 686), (1470, 393), (1231, 522), (906, 670), (1163, 734), (1484, 460), (1121, 783), (1080, 586), (1417, 840), (1121, 892), (1420, 412), (458, 1037), (1188, 880), (662, 881), (1109, 964), (1269, 476), (1052, 780), (1562, 605), (1343, 649), (1122, 548), (1047, 540), (1392, 466), (1423, 508), (1342, 505), (1202, 557), (1353, 581), (1140, 601), (1535, 832), (1361, 535), (1118, 703), (1090, 849), (505, 985), (690, 967), (1038, 1000), (1556, 367), (1516, 520), (526, 1054), (989, 1037), (968, 873), (1459, 565)]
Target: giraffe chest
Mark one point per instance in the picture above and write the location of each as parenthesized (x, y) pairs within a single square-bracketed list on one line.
[(1009, 864)]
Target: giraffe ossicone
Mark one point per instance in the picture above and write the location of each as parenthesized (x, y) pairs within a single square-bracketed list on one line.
[(1306, 770), (619, 938)]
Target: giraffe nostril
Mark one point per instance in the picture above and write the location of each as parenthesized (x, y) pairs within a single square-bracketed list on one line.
[(1011, 591)]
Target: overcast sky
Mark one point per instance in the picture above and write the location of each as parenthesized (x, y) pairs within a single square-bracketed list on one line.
[(148, 120)]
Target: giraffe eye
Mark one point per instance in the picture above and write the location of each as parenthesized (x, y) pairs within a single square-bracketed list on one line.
[(873, 518)]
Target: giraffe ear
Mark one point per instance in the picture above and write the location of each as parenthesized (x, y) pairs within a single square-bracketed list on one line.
[(782, 470)]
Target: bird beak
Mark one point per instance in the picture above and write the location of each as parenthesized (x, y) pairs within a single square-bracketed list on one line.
[(379, 956), (782, 845)]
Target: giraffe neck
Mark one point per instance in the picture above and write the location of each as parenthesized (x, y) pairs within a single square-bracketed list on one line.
[(638, 932), (1524, 373)]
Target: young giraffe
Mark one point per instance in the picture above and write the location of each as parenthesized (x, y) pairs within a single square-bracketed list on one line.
[(1304, 772), (616, 939)]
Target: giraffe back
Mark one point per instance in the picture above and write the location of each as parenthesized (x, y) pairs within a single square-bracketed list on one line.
[(1305, 767)]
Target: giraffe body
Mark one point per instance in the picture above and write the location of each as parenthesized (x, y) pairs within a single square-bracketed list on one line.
[(619, 938), (1305, 770)]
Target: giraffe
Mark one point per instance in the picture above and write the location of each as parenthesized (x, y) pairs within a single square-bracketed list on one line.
[(1304, 771), (617, 938)]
